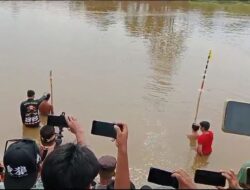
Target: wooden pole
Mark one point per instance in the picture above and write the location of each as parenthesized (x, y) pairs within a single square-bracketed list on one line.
[(51, 87)]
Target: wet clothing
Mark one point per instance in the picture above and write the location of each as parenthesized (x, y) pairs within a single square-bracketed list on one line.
[(206, 140), (29, 112)]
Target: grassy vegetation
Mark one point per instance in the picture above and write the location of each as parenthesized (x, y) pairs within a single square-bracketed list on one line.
[(231, 6)]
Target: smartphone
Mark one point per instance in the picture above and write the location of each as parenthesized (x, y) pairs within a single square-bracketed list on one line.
[(162, 177), (103, 129), (209, 178), (248, 176), (236, 118), (59, 121)]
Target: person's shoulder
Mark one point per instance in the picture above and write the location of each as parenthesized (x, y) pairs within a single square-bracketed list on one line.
[(23, 102), (42, 103), (211, 132)]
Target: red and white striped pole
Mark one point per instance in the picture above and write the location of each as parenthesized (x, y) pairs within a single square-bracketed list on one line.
[(202, 86)]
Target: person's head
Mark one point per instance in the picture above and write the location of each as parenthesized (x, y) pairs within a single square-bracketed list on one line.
[(107, 167), (69, 166), (47, 135), (195, 127), (21, 162), (30, 93), (205, 125), (47, 97)]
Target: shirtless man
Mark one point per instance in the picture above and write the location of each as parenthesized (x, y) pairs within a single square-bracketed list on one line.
[(45, 108)]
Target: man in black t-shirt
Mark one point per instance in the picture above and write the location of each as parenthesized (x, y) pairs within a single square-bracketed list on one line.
[(30, 116), (29, 110)]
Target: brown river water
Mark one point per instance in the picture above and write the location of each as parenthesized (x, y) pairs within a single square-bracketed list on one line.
[(136, 62)]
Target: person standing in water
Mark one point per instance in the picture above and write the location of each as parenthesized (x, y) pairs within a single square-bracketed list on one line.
[(45, 109), (194, 135), (205, 140), (30, 116)]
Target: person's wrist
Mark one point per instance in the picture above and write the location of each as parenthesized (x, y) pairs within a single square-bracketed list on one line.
[(80, 138), (123, 149), (79, 131)]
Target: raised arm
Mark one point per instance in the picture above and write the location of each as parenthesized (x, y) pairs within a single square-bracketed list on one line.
[(122, 180), (76, 129), (43, 98)]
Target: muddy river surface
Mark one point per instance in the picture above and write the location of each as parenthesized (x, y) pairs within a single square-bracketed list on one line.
[(136, 62)]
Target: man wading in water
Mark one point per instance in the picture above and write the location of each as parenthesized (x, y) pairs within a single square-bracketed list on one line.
[(204, 149), (30, 116), (45, 109)]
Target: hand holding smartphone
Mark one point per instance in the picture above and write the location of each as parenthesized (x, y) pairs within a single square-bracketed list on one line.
[(162, 177), (209, 178)]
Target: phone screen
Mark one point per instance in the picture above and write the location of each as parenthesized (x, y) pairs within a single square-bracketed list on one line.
[(162, 177), (59, 121), (103, 129), (248, 176), (236, 118), (209, 178)]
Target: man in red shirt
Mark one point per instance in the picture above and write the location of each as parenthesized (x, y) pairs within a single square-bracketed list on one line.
[(205, 140)]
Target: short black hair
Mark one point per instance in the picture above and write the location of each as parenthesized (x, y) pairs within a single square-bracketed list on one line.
[(195, 127), (111, 185), (205, 125), (70, 166), (47, 97), (46, 132), (30, 93)]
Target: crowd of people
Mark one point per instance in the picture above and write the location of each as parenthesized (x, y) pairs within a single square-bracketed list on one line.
[(50, 165)]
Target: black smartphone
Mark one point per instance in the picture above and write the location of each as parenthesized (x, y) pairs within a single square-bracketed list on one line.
[(59, 121), (248, 176), (209, 178), (103, 129), (162, 177)]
